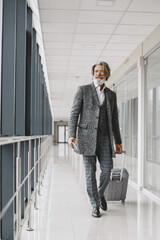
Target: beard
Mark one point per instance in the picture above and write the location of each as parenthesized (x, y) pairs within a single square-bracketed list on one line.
[(100, 81)]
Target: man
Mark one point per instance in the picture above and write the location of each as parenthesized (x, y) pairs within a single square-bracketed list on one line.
[(95, 106)]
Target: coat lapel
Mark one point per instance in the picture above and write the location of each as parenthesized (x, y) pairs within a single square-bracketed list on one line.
[(108, 97), (94, 94)]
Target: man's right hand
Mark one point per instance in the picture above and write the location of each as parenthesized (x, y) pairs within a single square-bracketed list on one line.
[(70, 140)]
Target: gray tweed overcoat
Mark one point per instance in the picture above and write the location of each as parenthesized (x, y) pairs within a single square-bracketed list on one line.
[(85, 115)]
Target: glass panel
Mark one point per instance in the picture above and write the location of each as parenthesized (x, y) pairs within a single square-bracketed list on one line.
[(20, 68), (152, 128), (158, 125), (67, 134), (8, 69), (149, 123), (127, 100), (61, 134)]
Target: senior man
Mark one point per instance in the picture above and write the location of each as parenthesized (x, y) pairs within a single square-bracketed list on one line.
[(94, 112)]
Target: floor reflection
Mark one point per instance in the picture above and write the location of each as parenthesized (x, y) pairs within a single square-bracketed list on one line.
[(65, 212)]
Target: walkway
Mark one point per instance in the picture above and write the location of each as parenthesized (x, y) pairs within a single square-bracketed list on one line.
[(65, 213)]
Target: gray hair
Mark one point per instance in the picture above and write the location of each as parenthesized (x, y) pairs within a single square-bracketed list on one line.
[(106, 69)]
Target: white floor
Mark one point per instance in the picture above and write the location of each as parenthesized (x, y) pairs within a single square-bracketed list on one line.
[(64, 211)]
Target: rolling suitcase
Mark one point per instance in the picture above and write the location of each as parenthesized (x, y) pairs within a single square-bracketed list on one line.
[(117, 187)]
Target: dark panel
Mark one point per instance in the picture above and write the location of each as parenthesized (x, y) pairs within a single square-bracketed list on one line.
[(40, 101), (22, 178), (50, 122), (32, 164), (37, 85), (7, 190), (45, 102), (28, 72), (37, 160), (47, 117), (43, 105), (20, 66), (40, 162), (33, 91), (14, 172), (0, 189), (38, 92), (8, 68), (26, 148)]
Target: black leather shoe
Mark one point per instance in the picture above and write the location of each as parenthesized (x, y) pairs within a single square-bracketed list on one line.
[(103, 204), (96, 212)]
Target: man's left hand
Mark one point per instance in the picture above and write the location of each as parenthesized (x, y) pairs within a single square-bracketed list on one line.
[(118, 148)]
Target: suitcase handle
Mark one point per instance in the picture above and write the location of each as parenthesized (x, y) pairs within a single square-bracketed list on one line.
[(120, 152), (123, 160)]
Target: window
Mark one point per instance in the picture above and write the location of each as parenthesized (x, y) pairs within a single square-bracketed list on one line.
[(62, 134), (127, 100), (152, 126)]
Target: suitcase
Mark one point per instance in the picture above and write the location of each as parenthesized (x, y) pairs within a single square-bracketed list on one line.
[(117, 187)]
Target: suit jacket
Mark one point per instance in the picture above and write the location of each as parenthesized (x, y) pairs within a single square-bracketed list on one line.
[(85, 115)]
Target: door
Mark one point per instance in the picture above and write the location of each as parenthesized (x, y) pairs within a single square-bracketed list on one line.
[(62, 134)]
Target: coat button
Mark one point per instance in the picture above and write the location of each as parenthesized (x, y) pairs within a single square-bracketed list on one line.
[(95, 127)]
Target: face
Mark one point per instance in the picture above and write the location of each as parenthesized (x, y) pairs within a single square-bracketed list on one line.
[(99, 73)]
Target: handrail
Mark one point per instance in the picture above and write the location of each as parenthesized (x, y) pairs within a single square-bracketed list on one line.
[(9, 140), (40, 159)]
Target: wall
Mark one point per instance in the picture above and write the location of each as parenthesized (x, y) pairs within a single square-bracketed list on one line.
[(151, 42)]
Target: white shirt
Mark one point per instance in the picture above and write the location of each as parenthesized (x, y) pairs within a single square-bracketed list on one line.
[(100, 94)]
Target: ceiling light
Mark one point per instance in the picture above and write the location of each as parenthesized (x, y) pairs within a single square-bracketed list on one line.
[(105, 2), (89, 46)]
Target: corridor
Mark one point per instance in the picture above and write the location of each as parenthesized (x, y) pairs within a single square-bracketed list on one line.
[(64, 211)]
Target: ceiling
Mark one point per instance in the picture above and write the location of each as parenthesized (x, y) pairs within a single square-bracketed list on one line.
[(78, 33)]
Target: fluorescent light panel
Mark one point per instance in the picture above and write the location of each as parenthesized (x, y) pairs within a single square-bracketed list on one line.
[(89, 46), (105, 2)]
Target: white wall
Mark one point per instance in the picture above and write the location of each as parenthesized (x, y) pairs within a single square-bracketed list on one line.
[(151, 42)]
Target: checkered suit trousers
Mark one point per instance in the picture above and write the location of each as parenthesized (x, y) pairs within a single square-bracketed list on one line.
[(104, 156)]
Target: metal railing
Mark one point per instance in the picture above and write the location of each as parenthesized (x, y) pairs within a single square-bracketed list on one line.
[(39, 168)]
